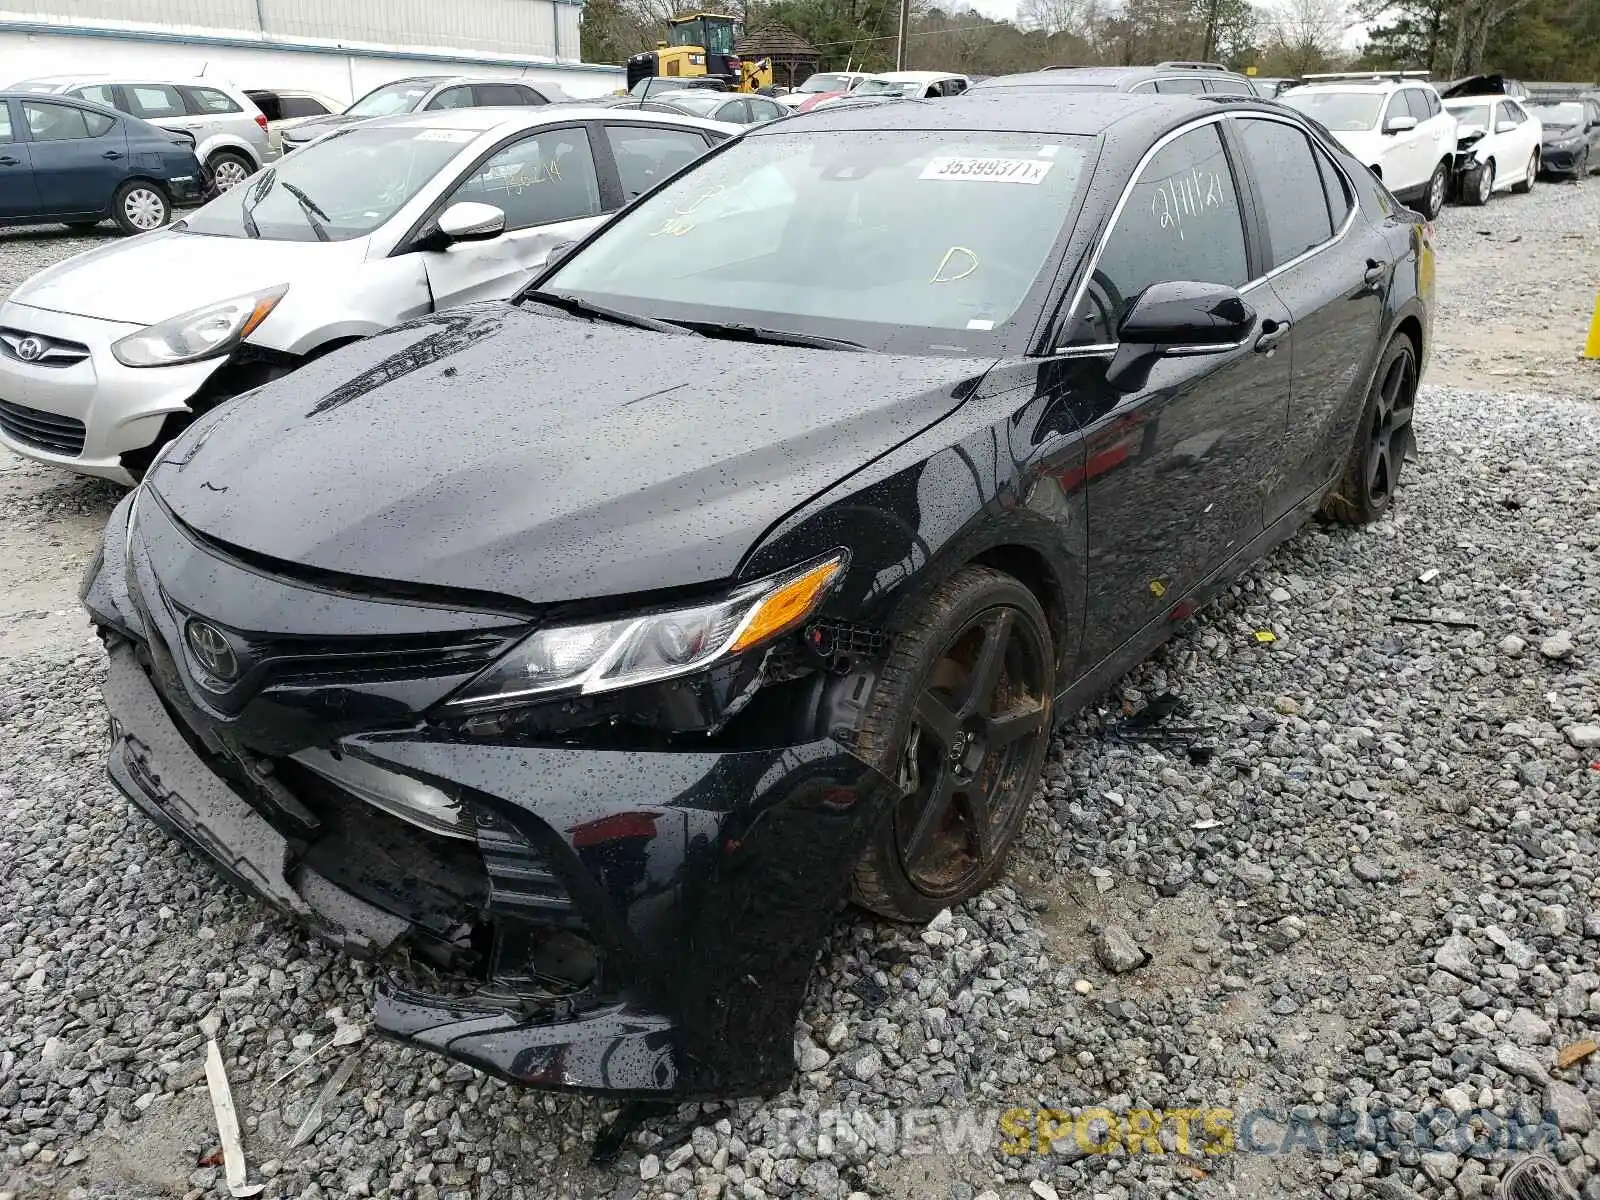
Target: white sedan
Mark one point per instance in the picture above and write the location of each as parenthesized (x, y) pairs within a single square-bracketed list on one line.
[(1498, 146), (106, 356)]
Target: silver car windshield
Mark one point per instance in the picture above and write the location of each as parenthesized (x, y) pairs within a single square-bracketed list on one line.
[(389, 100), (348, 184), (916, 230), (1559, 115), (825, 83), (1342, 112)]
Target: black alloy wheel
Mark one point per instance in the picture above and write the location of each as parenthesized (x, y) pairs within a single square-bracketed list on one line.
[(960, 720), (1384, 439)]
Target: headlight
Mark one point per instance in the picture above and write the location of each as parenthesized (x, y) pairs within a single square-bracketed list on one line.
[(603, 656), (202, 333)]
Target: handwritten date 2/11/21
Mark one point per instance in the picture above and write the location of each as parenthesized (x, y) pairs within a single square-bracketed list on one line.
[(1186, 195)]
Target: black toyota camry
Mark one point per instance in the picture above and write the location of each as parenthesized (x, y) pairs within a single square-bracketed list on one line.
[(578, 656)]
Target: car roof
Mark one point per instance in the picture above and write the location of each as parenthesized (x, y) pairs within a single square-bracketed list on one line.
[(509, 120), (1105, 77), (1070, 114), (914, 76), (120, 80)]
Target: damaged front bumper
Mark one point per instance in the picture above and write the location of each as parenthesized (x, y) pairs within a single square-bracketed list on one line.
[(640, 923)]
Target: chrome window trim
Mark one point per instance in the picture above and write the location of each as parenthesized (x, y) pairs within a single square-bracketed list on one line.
[(1138, 172)]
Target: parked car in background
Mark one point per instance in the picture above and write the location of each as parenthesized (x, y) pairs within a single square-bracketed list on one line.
[(1269, 86), (823, 83), (1167, 78), (653, 85), (906, 85), (426, 93), (377, 224), (68, 160), (1497, 147), (1395, 123), (285, 108), (230, 132), (733, 108), (1570, 133), (593, 647), (1484, 85)]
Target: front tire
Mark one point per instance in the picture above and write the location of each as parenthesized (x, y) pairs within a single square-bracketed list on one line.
[(1382, 441), (140, 207), (1478, 186), (1433, 198), (1526, 186), (960, 720)]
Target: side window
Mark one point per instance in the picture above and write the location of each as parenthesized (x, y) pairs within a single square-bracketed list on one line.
[(1149, 85), (203, 100), (291, 107), (1417, 104), (544, 178), (452, 97), (954, 87), (1229, 87), (1434, 107), (646, 155), (1335, 188), (735, 112), (99, 93), (1188, 84), (98, 123), (529, 96), (498, 95), (49, 122), (764, 110), (152, 100), (1292, 197), (1514, 112), (6, 136), (1397, 107), (1181, 222), (270, 104)]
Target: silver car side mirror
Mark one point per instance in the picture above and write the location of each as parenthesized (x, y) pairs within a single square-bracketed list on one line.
[(468, 221)]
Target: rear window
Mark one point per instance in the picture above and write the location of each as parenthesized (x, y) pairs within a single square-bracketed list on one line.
[(210, 100), (268, 103)]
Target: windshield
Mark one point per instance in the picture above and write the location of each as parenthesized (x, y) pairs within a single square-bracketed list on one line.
[(917, 240), (889, 87), (830, 82), (1558, 114), (357, 179), (700, 104), (1341, 112), (390, 99), (1470, 114)]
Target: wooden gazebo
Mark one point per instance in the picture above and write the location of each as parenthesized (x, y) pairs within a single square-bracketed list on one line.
[(793, 58)]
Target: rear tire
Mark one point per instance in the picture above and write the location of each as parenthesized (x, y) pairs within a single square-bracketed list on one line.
[(1526, 186), (140, 206), (960, 720), (1433, 198), (1383, 439)]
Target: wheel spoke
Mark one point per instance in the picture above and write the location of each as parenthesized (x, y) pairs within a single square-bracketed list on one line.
[(973, 805), (1008, 727), (931, 817), (1392, 384), (991, 658), (935, 717)]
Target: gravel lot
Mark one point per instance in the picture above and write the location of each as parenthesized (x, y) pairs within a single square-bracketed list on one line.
[(1373, 912)]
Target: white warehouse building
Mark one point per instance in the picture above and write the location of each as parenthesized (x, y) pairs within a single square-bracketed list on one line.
[(343, 48)]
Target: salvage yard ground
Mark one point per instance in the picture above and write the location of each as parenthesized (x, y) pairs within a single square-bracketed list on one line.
[(1380, 894)]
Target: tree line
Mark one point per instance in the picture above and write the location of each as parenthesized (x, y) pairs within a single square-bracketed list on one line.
[(1526, 39)]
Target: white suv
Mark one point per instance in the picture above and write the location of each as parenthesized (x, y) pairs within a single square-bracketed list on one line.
[(1394, 123)]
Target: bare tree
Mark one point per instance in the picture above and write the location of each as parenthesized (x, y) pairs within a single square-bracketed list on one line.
[(1304, 35)]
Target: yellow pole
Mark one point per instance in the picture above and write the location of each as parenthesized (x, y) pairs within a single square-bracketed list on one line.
[(1591, 348)]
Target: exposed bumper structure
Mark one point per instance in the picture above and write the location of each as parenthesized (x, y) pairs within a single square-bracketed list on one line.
[(638, 923)]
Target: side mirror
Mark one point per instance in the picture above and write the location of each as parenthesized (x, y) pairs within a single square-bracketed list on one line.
[(468, 221), (1399, 124), (1177, 318), (1505, 126)]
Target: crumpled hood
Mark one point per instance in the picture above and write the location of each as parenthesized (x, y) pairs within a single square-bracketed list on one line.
[(154, 276), (504, 450)]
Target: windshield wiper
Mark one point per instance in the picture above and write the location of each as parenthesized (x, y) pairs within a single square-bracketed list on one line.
[(248, 207), (582, 308), (312, 212), (774, 337)]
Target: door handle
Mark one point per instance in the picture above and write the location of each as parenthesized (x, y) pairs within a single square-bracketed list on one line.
[(1272, 332), (113, 154), (7, 161), (1374, 271)]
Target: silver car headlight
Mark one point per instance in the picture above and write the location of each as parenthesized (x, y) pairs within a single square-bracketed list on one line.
[(603, 656), (214, 329)]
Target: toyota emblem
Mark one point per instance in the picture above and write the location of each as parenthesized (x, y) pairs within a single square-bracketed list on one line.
[(30, 349), (212, 651)]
